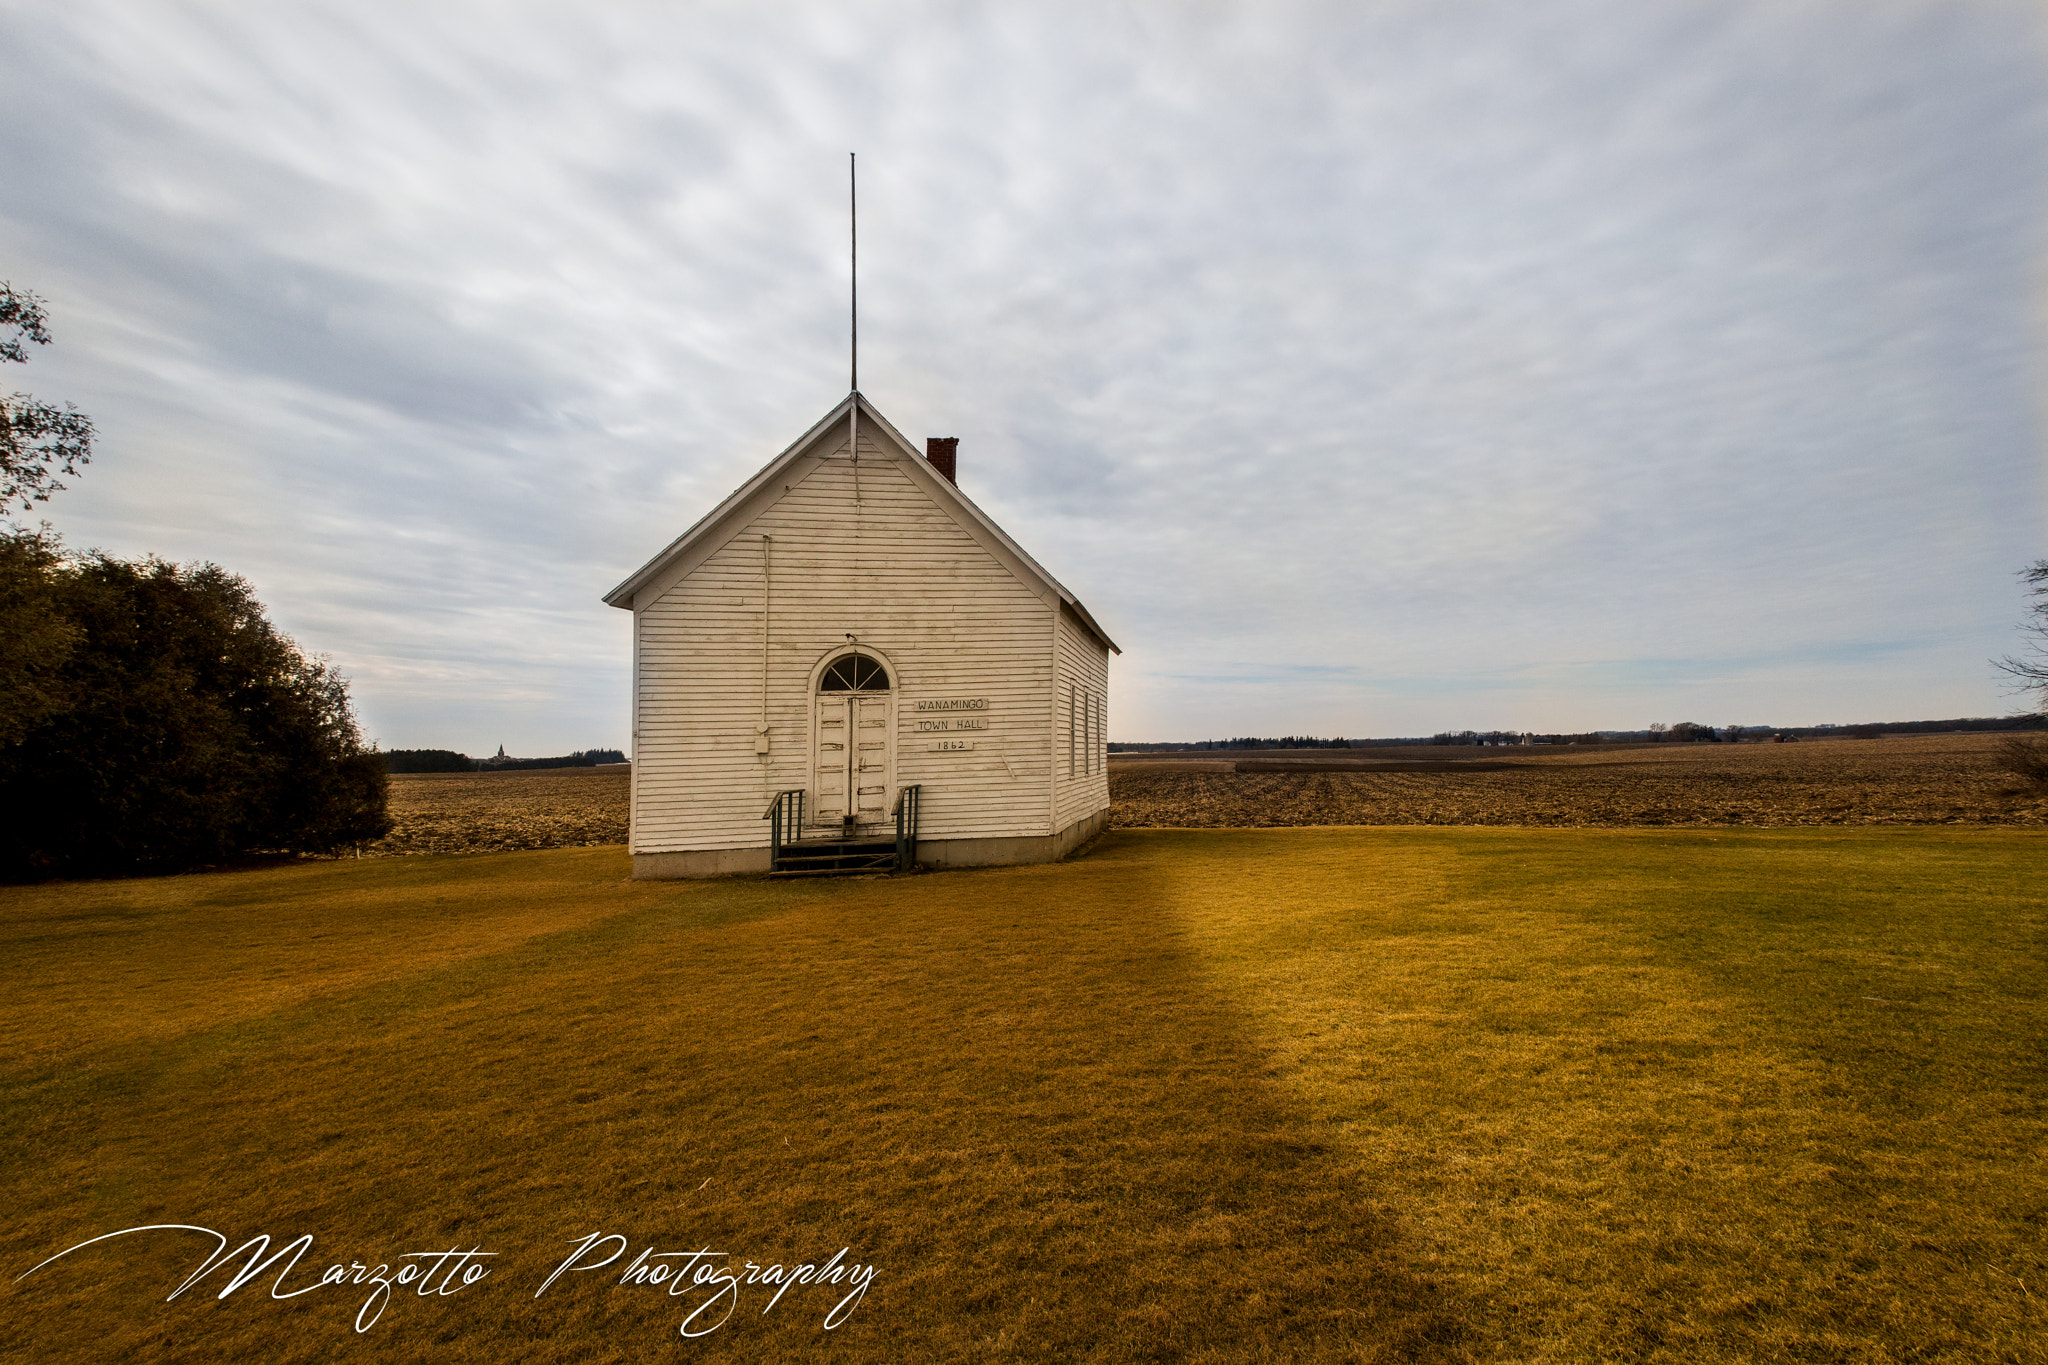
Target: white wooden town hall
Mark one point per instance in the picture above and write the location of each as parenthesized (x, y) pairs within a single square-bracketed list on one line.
[(844, 628)]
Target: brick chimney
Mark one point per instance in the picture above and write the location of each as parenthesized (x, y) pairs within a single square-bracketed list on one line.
[(943, 452)]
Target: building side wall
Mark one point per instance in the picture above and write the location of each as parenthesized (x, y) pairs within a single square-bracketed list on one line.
[(1081, 730), (903, 576)]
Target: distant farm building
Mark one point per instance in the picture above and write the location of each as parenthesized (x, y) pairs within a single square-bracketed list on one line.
[(847, 646)]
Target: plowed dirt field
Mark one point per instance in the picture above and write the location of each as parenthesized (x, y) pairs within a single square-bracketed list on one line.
[(500, 812), (1903, 780), (1892, 780)]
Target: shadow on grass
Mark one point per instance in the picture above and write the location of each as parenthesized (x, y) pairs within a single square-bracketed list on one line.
[(1004, 1088)]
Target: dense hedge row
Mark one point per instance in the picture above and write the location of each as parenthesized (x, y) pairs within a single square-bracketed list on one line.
[(152, 719)]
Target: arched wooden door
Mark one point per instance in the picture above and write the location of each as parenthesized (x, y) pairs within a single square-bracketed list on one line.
[(853, 758)]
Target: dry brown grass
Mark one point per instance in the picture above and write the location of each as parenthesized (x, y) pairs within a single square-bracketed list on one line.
[(505, 811), (1482, 1095), (1052, 1145), (1894, 780)]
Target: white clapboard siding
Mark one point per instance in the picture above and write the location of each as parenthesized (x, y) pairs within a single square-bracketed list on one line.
[(1080, 741), (904, 575)]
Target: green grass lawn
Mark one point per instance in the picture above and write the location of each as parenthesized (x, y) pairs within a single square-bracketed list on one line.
[(1323, 1094)]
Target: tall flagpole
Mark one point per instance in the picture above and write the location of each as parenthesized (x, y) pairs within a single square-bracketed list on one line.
[(853, 274), (853, 326)]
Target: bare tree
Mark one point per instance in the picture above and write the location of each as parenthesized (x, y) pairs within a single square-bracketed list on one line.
[(2026, 756), (2031, 666), (37, 441)]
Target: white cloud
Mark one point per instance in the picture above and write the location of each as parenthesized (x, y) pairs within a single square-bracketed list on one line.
[(1373, 370)]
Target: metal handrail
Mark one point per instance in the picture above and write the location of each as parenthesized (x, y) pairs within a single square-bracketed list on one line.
[(784, 813), (905, 811)]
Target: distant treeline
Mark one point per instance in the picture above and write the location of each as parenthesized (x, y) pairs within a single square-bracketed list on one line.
[(1935, 727), (582, 758), (1283, 742), (1684, 732), (427, 761), (448, 761)]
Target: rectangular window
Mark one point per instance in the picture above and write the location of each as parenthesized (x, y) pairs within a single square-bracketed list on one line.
[(1102, 734), (1072, 723)]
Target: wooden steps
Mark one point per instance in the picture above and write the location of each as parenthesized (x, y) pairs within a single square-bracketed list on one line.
[(846, 853), (835, 857)]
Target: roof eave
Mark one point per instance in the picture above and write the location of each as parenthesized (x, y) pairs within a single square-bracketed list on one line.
[(622, 595)]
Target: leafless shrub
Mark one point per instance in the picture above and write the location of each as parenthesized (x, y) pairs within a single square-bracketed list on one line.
[(2025, 757)]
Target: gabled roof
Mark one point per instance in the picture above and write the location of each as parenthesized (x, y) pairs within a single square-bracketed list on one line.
[(715, 522)]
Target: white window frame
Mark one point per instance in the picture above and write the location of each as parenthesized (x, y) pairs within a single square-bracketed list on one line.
[(1074, 719), (1102, 732), (1090, 722)]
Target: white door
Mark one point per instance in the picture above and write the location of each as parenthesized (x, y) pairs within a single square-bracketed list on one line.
[(873, 754), (832, 768), (853, 759)]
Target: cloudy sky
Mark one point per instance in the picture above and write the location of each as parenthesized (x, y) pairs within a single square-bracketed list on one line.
[(1368, 368)]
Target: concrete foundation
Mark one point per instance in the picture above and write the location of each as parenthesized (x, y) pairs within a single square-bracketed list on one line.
[(933, 853), (710, 862), (1045, 848)]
